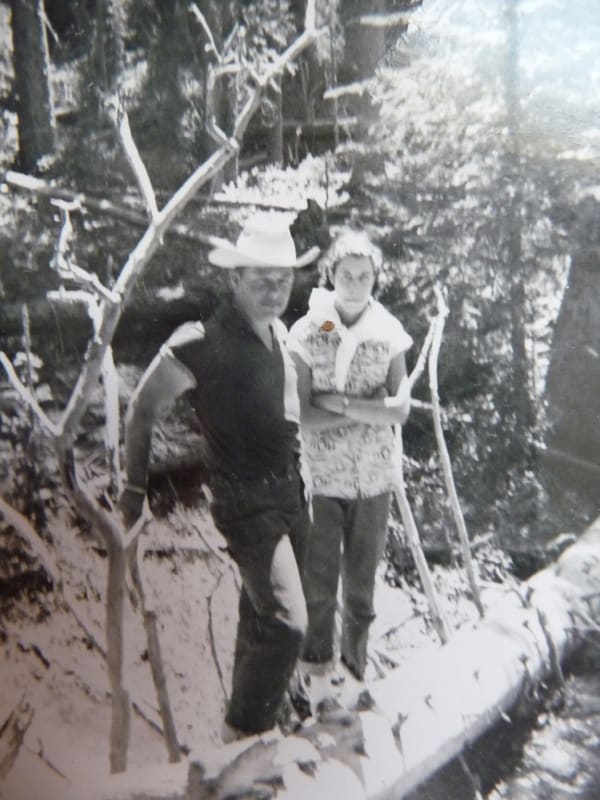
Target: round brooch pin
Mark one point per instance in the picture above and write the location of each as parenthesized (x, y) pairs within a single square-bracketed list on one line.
[(327, 326)]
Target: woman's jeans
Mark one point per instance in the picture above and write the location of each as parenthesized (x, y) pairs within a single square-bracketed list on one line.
[(347, 537), (265, 524)]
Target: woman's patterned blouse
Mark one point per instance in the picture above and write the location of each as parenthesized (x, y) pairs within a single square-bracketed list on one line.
[(351, 459)]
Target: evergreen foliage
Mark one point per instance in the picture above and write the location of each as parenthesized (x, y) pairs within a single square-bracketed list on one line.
[(441, 174)]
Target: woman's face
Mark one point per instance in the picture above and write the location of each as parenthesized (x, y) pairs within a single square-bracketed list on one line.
[(353, 281)]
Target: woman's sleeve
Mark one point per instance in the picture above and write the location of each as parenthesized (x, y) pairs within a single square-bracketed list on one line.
[(298, 341)]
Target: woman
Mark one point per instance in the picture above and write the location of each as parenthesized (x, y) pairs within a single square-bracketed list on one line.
[(349, 354)]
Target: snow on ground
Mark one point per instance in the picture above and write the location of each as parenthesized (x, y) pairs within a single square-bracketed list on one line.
[(193, 585)]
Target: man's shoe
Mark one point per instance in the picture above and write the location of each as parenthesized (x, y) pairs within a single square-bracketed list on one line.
[(288, 721), (299, 694), (231, 734)]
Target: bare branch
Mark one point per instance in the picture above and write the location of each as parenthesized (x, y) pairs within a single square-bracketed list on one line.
[(25, 531), (104, 525), (139, 526), (62, 261), (155, 654), (408, 520), (422, 359), (137, 165), (152, 238), (110, 381), (355, 88), (26, 182), (121, 710), (380, 20), (414, 543), (67, 297), (88, 377), (445, 456), (214, 131), (27, 397), (280, 63), (228, 43), (12, 734), (420, 405), (211, 47)]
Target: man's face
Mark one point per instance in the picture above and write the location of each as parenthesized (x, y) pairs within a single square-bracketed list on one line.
[(262, 293)]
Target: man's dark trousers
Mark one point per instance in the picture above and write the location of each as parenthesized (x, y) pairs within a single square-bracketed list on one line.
[(265, 524)]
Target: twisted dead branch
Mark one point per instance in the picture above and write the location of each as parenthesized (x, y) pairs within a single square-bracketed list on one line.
[(444, 454), (410, 526)]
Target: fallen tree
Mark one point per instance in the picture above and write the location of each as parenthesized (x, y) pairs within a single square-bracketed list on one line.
[(403, 728)]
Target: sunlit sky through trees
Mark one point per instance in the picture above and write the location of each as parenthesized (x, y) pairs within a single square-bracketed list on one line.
[(559, 59)]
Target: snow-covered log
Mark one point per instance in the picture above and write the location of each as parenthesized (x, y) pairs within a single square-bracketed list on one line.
[(418, 718)]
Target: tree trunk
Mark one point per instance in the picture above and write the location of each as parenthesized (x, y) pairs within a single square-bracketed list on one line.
[(570, 465), (364, 44), (32, 78), (106, 56), (155, 654), (520, 389), (364, 48)]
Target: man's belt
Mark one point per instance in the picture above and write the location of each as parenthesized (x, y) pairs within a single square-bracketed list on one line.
[(247, 485)]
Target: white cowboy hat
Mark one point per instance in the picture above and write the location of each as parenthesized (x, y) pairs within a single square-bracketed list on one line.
[(265, 241)]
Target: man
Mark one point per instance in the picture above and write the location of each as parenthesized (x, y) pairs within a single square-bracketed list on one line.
[(242, 385)]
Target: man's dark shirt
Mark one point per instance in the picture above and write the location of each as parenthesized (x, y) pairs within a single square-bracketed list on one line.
[(239, 397)]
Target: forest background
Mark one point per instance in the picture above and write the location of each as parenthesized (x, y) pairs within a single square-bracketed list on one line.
[(462, 135), (464, 142)]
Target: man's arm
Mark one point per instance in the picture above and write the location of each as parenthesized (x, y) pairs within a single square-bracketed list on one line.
[(165, 379)]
